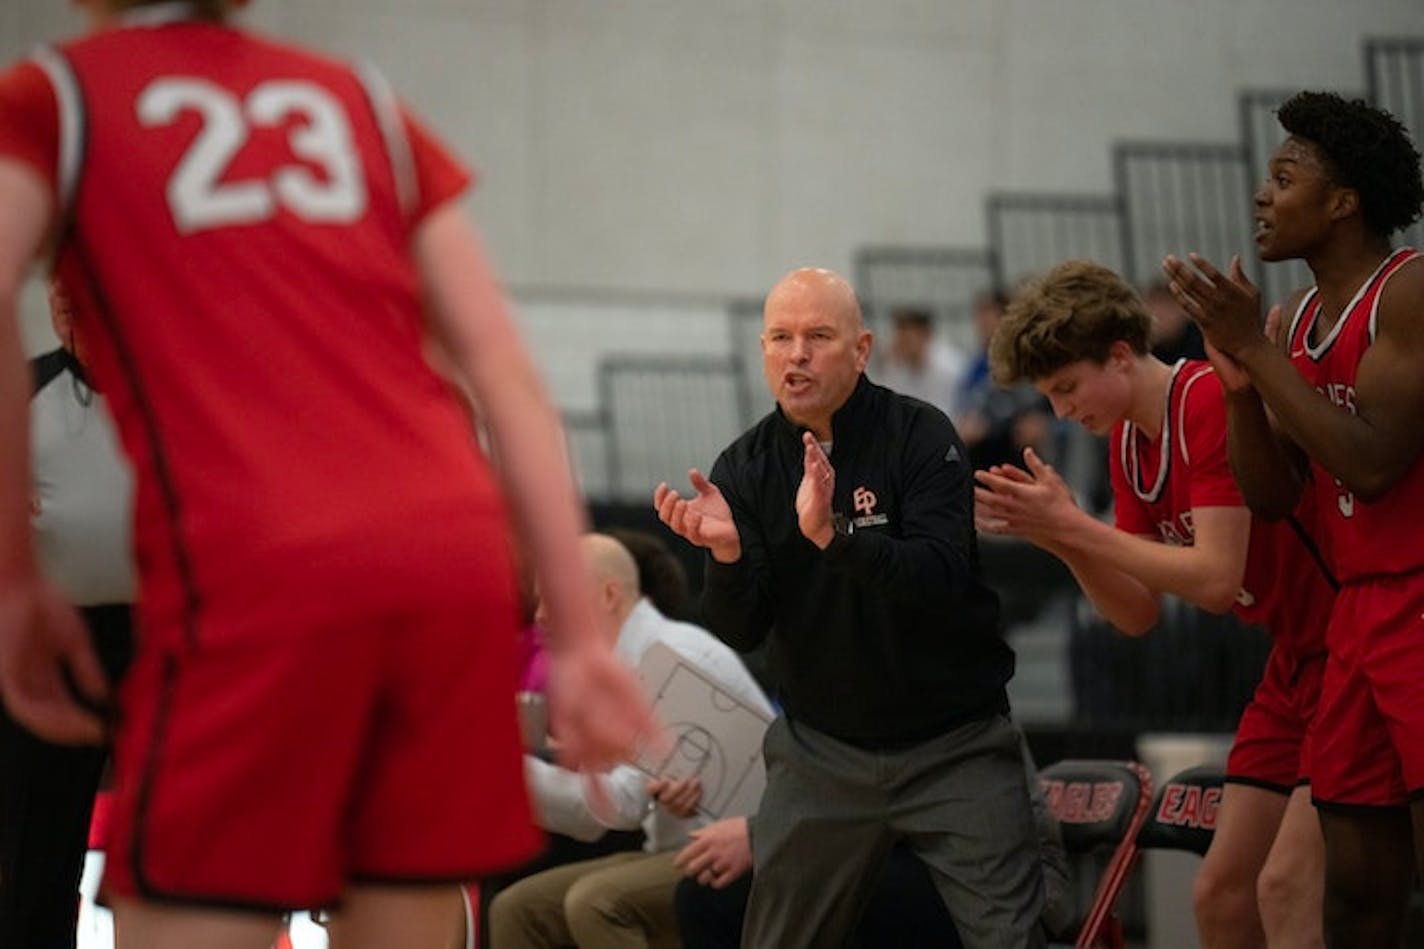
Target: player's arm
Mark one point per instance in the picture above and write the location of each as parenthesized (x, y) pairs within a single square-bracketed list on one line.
[(1207, 574), (1128, 604), (1373, 447), (599, 707), (1037, 506), (26, 206), (43, 645), (1266, 465), (1122, 573), (479, 334), (1368, 449)]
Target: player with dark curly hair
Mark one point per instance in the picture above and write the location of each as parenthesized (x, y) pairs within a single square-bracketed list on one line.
[(1343, 380), (1365, 149)]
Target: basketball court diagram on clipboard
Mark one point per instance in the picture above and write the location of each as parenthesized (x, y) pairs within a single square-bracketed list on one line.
[(711, 734)]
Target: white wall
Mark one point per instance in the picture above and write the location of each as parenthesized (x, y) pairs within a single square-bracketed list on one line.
[(705, 146), (701, 146)]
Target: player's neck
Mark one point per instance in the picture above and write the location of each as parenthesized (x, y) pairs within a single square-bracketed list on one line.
[(1149, 395)]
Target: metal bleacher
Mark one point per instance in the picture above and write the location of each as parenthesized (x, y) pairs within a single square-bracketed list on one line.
[(1170, 197), (942, 280), (1031, 232)]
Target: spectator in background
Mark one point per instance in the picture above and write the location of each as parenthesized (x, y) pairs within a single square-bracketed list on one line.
[(919, 365), (661, 576), (626, 896), (1174, 335), (997, 422), (80, 519)]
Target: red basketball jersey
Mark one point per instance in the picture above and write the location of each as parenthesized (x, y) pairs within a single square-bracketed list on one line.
[(1362, 538), (239, 225), (1158, 483)]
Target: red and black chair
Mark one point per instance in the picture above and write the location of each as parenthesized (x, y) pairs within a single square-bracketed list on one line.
[(1183, 813), (1100, 807)]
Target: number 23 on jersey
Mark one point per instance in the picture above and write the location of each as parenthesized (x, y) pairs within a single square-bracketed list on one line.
[(199, 194)]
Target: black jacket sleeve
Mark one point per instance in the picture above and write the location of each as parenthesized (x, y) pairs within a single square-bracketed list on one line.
[(933, 560), (736, 597)]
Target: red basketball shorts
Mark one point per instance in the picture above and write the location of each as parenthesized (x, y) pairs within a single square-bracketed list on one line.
[(345, 714), (1271, 748), (1369, 738)]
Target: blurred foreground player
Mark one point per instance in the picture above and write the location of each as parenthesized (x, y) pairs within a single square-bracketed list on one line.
[(253, 234)]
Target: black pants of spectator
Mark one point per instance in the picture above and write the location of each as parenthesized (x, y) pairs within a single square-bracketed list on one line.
[(46, 799), (559, 851), (905, 911)]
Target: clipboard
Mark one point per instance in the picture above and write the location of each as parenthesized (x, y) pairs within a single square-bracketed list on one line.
[(709, 733)]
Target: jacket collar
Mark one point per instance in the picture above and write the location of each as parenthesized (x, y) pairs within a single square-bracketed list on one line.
[(846, 419)]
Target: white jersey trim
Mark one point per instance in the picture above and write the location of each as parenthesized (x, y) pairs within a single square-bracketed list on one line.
[(1295, 321), (1201, 372), (1131, 463), (70, 103), (383, 103), (1404, 255), (1318, 352)]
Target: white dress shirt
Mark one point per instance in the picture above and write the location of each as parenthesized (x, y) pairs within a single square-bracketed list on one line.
[(82, 493), (562, 799)]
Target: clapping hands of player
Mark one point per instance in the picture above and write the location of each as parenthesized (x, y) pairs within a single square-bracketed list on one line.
[(718, 853), (1231, 373), (1035, 504), (1226, 307), (813, 496), (704, 520), (45, 659)]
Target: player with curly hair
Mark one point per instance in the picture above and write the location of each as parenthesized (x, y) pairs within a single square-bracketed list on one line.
[(1080, 334), (1330, 405)]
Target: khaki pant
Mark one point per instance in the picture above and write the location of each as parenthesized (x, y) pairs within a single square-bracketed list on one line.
[(620, 901)]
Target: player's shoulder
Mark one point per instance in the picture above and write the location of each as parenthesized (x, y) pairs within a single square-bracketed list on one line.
[(1401, 299), (1198, 385), (26, 80), (1405, 284), (1199, 408)]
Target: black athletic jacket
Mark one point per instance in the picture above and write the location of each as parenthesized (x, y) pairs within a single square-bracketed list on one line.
[(887, 637)]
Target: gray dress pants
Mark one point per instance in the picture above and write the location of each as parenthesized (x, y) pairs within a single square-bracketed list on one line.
[(831, 812)]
